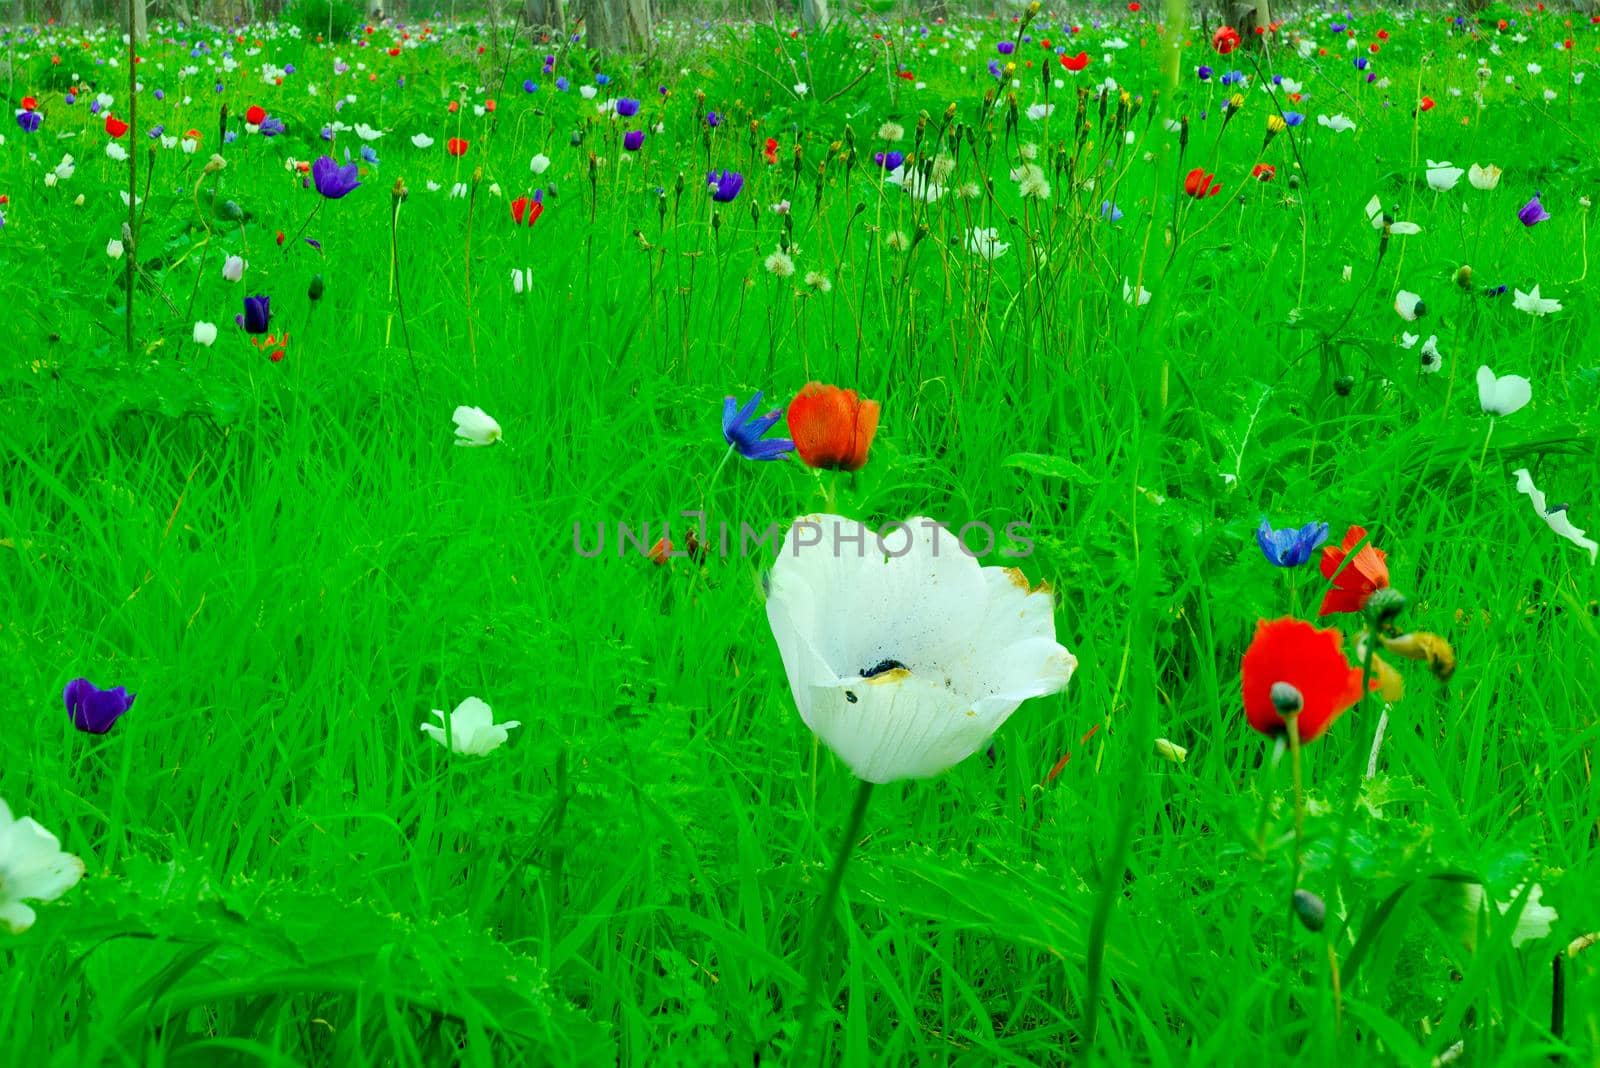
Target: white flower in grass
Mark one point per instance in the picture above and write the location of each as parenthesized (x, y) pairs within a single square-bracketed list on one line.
[(459, 191), (205, 333), (1336, 123), (422, 140), (233, 268), (1136, 295), (905, 655), (1038, 112), (1556, 518), (475, 427), (116, 152), (1443, 177), (1376, 217), (1483, 177), (1409, 306), (32, 867), (1432, 360), (985, 241), (473, 731), (891, 132), (588, 92), (539, 164), (114, 249), (801, 89), (780, 264), (1533, 303), (1502, 395), (367, 133)]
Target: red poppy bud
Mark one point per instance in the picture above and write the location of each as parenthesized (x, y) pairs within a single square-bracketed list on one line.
[(832, 427)]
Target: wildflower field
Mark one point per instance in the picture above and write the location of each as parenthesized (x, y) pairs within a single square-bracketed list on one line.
[(1028, 538)]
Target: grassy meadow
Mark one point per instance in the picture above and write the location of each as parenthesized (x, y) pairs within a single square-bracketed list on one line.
[(269, 537)]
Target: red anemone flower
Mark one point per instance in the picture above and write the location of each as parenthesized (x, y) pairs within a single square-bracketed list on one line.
[(1306, 666), (1225, 40), (255, 114), (1134, 7), (115, 126), (525, 211), (1427, 103), (832, 427), (1354, 581), (771, 150), (456, 146), (29, 103), (1199, 183), (1075, 63), (1264, 172)]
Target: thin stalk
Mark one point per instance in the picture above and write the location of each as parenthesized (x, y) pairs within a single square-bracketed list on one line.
[(819, 921)]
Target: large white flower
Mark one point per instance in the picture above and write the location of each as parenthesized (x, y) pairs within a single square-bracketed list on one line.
[(1443, 177), (1338, 123), (32, 866), (1483, 177), (903, 653), (1556, 517), (1533, 303), (1502, 395), (475, 427), (473, 731), (1409, 306)]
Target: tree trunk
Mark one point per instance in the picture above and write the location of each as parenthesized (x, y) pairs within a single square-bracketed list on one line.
[(618, 25), (814, 14), (546, 14), (140, 29)]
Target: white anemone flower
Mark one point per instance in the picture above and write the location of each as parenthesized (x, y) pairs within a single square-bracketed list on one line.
[(32, 867), (985, 241), (539, 164), (1336, 123), (475, 427), (1376, 217), (422, 140), (903, 653), (1138, 296), (473, 731), (1484, 178), (205, 333), (1502, 395), (1532, 303), (1409, 306), (1556, 518), (1442, 177)]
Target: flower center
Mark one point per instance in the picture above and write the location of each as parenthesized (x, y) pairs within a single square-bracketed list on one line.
[(882, 667)]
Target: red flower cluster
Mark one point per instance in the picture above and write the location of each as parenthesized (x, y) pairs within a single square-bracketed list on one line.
[(525, 211)]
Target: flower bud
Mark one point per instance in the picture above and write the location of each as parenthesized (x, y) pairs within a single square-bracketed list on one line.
[(314, 290), (1385, 605), (1464, 277), (1171, 751), (1344, 385), (215, 163), (1286, 699), (1310, 910), (1420, 645)]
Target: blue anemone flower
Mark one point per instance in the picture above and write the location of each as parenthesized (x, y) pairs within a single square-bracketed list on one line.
[(1290, 547), (743, 430), (93, 710)]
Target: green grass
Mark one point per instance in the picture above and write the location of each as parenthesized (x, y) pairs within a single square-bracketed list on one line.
[(290, 564)]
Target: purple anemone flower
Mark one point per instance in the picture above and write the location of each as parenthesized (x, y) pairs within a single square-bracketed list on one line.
[(93, 710), (889, 161), (257, 314), (29, 120), (743, 429), (713, 119), (1532, 213), (271, 126), (530, 86), (627, 107), (1203, 73), (725, 185), (332, 180), (1005, 48), (633, 140), (1290, 547)]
